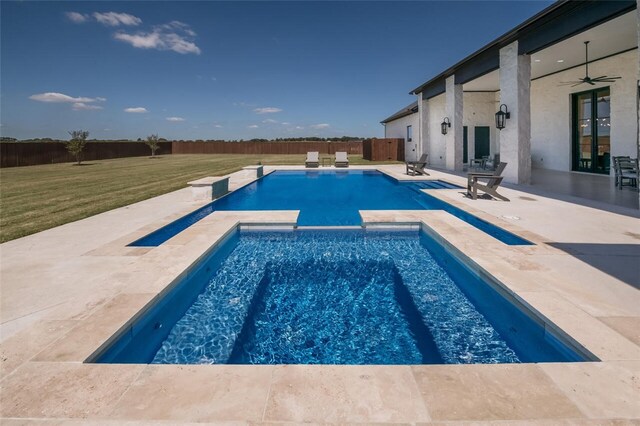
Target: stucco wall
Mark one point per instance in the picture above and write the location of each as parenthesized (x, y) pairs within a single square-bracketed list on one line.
[(551, 111), (398, 129)]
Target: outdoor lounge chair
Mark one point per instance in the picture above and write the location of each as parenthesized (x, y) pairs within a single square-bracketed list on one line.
[(312, 159), (341, 159), (493, 181), (414, 167)]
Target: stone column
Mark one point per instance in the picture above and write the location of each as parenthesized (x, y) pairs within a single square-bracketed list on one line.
[(454, 137), (423, 144), (638, 95), (515, 138)]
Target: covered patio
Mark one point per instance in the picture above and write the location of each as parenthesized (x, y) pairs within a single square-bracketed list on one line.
[(569, 95), (590, 190)]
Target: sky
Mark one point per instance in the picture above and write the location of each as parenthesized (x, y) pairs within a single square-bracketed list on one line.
[(229, 70)]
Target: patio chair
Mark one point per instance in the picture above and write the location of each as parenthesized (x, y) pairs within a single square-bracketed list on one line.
[(626, 170), (414, 167), (341, 159), (491, 163), (490, 187), (312, 159), (616, 170)]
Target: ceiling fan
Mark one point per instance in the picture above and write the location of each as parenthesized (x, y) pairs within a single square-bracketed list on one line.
[(586, 78)]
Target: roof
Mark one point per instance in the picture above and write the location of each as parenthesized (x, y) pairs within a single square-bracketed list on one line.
[(408, 110), (557, 22)]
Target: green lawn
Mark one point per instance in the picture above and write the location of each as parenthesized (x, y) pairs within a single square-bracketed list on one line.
[(36, 198)]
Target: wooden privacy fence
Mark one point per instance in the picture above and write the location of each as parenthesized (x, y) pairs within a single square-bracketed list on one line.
[(282, 148), (14, 154), (383, 149)]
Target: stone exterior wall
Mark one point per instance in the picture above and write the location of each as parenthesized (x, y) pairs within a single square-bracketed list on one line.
[(479, 110), (437, 141)]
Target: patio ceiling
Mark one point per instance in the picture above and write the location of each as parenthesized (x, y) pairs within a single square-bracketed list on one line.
[(612, 37)]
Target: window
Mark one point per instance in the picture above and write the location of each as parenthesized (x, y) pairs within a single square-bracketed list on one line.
[(409, 133)]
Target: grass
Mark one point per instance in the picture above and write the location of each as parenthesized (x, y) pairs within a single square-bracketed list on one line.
[(36, 198)]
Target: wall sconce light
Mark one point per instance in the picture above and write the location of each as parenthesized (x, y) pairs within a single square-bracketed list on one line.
[(444, 125), (502, 116)]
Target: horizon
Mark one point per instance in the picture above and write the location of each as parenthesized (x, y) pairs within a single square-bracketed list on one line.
[(229, 71)]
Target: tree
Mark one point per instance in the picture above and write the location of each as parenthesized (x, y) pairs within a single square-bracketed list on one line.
[(153, 143), (77, 143)]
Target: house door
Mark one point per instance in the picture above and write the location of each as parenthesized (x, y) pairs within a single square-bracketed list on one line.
[(465, 145), (591, 130), (482, 142)]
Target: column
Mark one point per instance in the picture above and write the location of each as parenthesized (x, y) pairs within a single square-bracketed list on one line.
[(515, 138), (453, 139), (638, 98), (423, 130)]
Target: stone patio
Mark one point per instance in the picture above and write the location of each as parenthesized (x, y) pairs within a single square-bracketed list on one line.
[(67, 291)]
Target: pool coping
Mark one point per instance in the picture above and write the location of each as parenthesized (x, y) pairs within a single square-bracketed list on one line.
[(573, 392)]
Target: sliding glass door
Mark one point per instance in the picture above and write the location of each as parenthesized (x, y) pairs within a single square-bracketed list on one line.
[(591, 130)]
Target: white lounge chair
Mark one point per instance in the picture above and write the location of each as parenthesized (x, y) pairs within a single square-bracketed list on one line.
[(312, 159), (341, 159)]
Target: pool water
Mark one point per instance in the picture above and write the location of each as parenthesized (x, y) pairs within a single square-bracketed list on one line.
[(329, 198), (334, 297)]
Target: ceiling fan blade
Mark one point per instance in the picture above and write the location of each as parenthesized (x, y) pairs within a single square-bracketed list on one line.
[(566, 83), (598, 78), (591, 82), (578, 84)]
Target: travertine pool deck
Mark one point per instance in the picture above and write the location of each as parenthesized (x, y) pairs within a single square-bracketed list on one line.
[(66, 291)]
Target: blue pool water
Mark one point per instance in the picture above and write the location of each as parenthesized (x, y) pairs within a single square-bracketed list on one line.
[(329, 198), (334, 297)]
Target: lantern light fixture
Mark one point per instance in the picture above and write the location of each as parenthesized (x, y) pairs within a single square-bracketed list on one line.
[(445, 125), (502, 116)]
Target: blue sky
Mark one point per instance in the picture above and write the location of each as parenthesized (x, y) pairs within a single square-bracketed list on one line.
[(229, 70)]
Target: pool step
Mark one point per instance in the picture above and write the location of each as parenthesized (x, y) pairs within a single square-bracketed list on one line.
[(436, 184)]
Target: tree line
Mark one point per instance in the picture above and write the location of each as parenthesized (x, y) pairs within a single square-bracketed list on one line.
[(303, 139)]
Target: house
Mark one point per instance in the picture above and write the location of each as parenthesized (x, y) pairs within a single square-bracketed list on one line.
[(401, 125), (556, 114)]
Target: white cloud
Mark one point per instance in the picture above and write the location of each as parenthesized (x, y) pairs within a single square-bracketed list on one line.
[(136, 110), (319, 126), (267, 110), (217, 126), (175, 36), (253, 126), (55, 97), (299, 127), (175, 119), (269, 121), (79, 106), (114, 19), (99, 99), (76, 17), (284, 123)]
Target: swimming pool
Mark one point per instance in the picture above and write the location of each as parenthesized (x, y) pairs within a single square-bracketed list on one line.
[(329, 198), (334, 297)]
